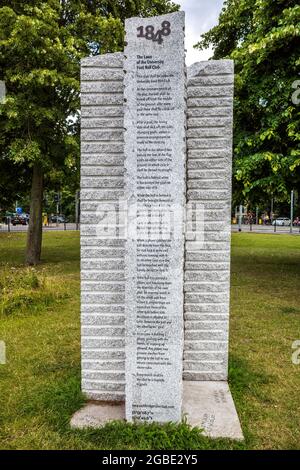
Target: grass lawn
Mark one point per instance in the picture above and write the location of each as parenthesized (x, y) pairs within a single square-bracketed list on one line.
[(39, 321)]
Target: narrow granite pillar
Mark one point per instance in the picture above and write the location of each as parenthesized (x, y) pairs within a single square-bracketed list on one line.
[(155, 191), (102, 245), (207, 254)]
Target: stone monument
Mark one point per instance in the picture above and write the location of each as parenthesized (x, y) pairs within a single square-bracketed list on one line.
[(155, 232)]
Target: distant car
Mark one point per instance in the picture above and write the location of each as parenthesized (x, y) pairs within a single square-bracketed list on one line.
[(282, 221), (60, 219), (19, 220)]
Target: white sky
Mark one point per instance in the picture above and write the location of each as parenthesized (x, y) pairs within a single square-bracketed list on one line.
[(200, 16)]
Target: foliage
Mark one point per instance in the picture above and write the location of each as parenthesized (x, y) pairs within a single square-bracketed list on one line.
[(41, 45), (263, 38), (13, 184), (22, 290)]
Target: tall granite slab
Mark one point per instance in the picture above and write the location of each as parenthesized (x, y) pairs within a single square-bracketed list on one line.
[(102, 242), (207, 250), (154, 121)]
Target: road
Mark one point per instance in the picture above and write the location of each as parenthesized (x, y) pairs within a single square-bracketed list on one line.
[(23, 228), (245, 228), (266, 229)]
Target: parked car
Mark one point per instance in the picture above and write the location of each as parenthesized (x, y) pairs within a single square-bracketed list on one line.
[(60, 219), (282, 221), (19, 220)]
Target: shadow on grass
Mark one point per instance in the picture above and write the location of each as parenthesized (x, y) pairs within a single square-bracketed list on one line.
[(290, 310), (246, 383), (244, 380)]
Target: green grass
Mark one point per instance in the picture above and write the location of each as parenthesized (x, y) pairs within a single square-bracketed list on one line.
[(39, 321)]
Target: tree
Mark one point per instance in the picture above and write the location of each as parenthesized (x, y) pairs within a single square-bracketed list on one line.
[(41, 44), (13, 186), (263, 38)]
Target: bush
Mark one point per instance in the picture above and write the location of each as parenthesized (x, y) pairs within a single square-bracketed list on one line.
[(24, 288)]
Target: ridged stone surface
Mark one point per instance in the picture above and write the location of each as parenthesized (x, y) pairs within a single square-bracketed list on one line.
[(207, 255), (102, 256), (207, 267)]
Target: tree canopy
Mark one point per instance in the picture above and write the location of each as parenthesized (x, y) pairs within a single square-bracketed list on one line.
[(263, 39), (41, 45)]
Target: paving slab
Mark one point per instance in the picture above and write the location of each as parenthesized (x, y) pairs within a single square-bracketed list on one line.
[(208, 405)]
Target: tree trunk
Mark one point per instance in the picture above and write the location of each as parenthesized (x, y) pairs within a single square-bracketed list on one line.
[(34, 235)]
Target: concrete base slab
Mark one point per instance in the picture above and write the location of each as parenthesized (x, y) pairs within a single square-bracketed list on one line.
[(96, 415), (207, 405)]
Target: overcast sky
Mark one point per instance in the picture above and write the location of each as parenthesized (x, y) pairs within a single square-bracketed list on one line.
[(200, 16)]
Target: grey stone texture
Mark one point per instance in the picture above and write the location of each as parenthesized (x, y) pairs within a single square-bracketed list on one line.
[(95, 415), (209, 406), (207, 263), (155, 99), (102, 257), (207, 266)]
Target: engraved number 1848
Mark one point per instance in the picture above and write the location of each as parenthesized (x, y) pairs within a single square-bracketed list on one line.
[(149, 33)]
